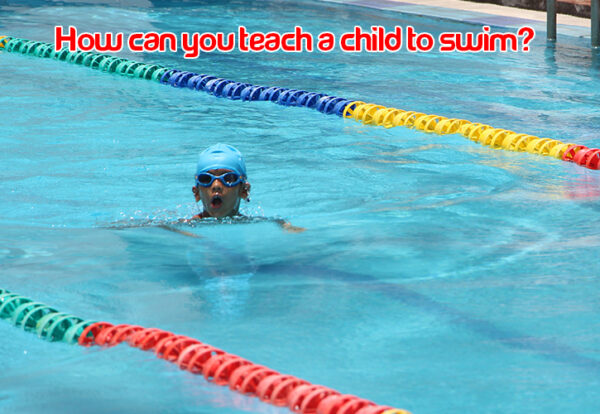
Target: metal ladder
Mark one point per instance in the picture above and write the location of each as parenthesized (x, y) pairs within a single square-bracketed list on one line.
[(595, 16)]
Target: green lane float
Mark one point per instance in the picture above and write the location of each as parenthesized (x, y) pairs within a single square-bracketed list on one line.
[(367, 113), (189, 354), (37, 317)]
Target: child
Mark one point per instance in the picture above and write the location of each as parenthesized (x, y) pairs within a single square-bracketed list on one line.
[(221, 184), (221, 181)]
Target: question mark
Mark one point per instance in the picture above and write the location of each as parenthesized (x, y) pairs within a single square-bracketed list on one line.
[(528, 34)]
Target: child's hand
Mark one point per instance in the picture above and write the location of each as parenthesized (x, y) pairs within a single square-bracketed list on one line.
[(292, 229)]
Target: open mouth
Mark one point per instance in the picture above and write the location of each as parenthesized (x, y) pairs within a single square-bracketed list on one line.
[(216, 202)]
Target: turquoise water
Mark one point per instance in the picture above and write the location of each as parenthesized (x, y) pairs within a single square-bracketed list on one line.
[(435, 274)]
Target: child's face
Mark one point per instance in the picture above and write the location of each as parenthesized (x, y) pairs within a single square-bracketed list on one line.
[(218, 199)]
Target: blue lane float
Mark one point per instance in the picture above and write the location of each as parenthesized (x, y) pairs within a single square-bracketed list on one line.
[(219, 87)]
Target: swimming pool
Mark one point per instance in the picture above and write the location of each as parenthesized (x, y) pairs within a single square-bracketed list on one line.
[(436, 274)]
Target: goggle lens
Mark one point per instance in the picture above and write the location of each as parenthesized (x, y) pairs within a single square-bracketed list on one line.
[(204, 179), (229, 179)]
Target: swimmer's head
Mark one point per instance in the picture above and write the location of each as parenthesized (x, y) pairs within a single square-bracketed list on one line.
[(221, 181), (221, 156)]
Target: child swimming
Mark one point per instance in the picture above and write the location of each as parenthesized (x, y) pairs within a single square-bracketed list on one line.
[(222, 183)]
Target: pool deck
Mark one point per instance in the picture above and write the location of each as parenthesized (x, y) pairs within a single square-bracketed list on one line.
[(479, 14)]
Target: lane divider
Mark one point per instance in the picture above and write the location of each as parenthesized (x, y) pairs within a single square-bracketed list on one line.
[(217, 366), (367, 113), (497, 138), (213, 85)]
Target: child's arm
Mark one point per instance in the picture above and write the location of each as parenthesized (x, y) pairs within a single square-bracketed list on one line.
[(174, 230), (148, 224), (287, 226)]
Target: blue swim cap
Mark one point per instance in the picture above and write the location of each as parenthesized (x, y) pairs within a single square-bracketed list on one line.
[(221, 156)]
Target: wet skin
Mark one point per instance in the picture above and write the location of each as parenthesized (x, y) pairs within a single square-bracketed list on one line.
[(219, 200)]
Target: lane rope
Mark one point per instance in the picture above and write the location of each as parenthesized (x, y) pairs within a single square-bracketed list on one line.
[(367, 113), (217, 366), (497, 138), (213, 85)]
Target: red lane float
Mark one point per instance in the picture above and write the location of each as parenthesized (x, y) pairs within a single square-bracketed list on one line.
[(571, 151), (238, 373), (587, 157)]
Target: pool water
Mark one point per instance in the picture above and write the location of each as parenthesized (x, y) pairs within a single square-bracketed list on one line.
[(435, 274)]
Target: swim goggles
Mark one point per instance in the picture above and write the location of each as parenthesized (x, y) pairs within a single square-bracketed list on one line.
[(229, 179)]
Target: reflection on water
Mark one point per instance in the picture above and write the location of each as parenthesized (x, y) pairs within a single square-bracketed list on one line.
[(223, 273)]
